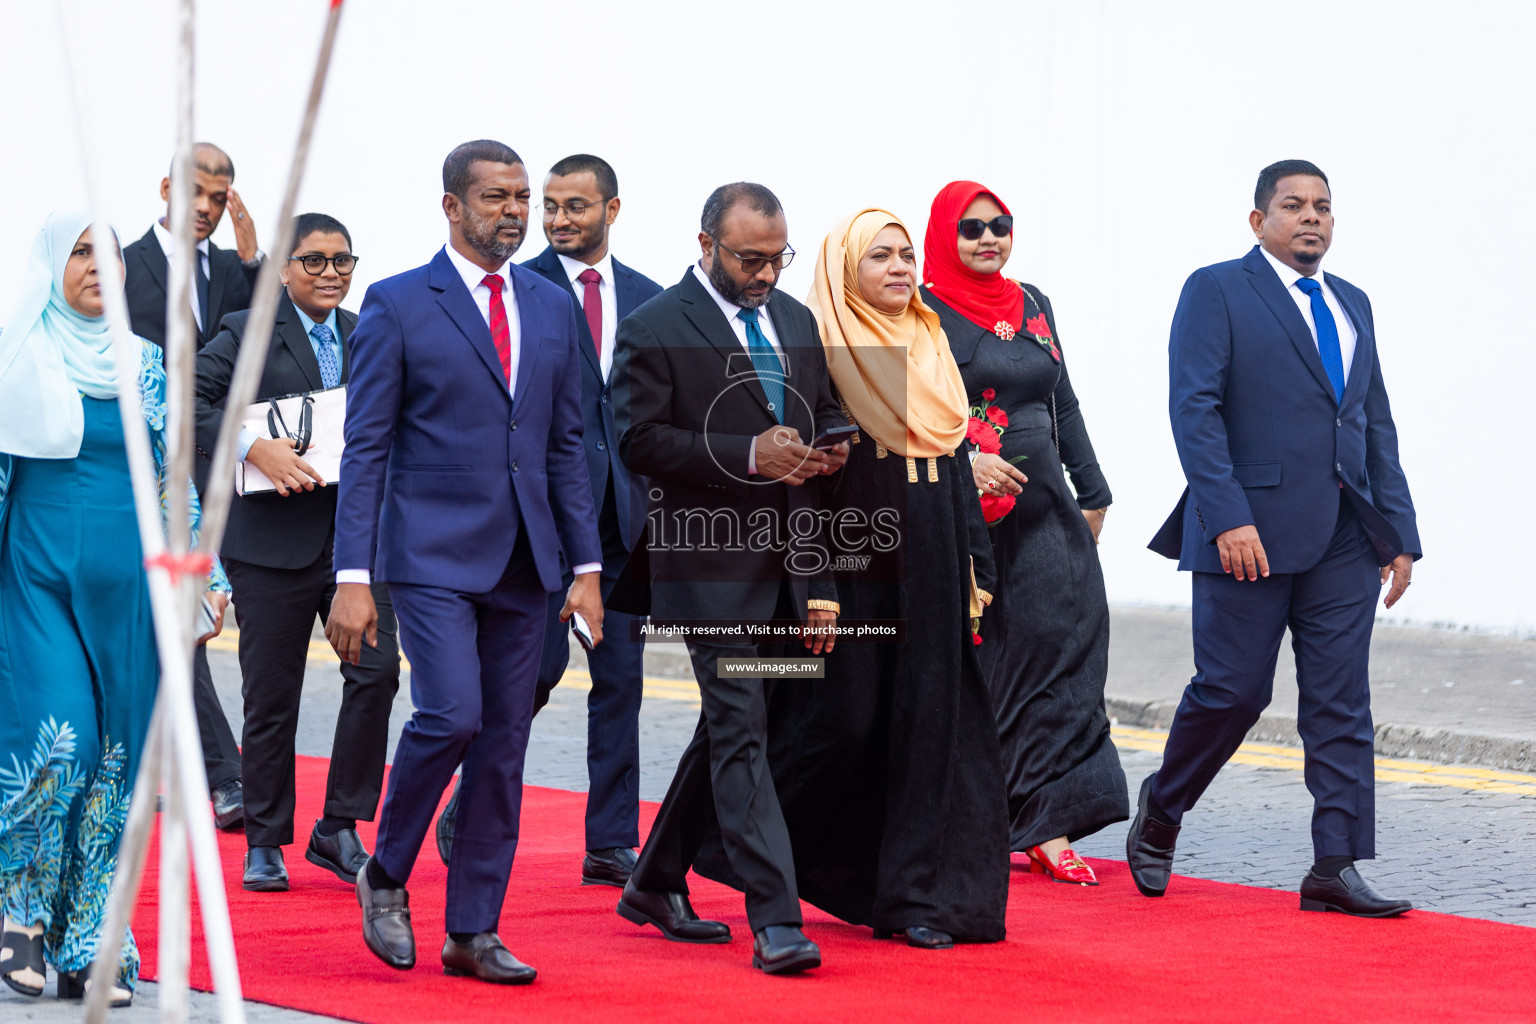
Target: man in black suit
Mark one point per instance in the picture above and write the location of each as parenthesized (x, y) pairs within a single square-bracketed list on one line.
[(718, 381), (277, 551), (223, 284)]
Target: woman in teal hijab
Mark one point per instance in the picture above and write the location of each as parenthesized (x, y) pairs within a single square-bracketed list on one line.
[(78, 665)]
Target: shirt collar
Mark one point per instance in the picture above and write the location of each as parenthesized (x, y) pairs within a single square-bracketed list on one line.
[(168, 241), (474, 275), (1288, 275), (309, 324), (729, 308), (573, 268)]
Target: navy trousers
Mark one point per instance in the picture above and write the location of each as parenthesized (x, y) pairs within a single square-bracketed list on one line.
[(474, 668), (1237, 631), (613, 719)]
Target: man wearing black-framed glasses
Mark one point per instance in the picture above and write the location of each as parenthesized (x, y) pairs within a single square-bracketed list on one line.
[(719, 382), (277, 550)]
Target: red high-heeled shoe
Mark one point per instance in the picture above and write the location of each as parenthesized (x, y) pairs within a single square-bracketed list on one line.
[(1070, 868)]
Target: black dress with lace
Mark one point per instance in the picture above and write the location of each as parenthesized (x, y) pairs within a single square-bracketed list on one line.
[(1045, 649)]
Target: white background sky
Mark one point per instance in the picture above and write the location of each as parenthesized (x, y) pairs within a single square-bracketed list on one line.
[(1125, 136)]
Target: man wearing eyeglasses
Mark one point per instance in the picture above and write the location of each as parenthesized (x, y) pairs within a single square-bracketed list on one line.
[(720, 386), (277, 550), (581, 202)]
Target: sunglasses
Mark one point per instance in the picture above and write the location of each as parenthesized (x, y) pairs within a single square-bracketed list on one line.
[(973, 228)]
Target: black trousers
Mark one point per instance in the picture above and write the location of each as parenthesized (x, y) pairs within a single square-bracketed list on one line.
[(1238, 626), (221, 757), (276, 610), (723, 776)]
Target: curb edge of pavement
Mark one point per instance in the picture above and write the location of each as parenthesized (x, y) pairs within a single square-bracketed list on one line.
[(1413, 742)]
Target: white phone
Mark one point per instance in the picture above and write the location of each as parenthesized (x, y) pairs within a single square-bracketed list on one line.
[(583, 631)]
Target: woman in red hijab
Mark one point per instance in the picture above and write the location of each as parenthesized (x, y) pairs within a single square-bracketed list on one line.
[(1045, 638)]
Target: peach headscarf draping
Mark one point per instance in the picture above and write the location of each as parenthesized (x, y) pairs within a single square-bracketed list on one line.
[(915, 405)]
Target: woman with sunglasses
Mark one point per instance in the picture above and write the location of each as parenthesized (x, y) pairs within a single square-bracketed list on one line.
[(78, 664), (1045, 638)]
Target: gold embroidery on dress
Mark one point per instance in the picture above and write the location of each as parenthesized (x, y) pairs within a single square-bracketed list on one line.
[(911, 470), (848, 415), (880, 449)]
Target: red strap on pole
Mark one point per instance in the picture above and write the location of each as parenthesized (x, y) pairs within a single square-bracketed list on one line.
[(193, 563)]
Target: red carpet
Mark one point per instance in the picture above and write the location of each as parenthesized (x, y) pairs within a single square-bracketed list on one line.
[(1207, 952)]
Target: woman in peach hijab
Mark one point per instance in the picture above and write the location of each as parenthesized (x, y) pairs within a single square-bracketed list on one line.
[(889, 769)]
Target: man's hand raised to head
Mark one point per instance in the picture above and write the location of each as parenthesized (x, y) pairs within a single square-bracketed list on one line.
[(781, 456), (1241, 553)]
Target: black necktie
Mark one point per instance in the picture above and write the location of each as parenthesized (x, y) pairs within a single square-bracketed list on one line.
[(202, 294)]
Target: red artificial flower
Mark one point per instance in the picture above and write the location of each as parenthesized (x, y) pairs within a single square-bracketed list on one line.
[(997, 415), (1038, 326), (995, 506), (987, 394), (980, 433), (975, 639)]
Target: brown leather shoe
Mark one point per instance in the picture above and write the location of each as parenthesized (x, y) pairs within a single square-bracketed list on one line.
[(485, 957), (387, 923)]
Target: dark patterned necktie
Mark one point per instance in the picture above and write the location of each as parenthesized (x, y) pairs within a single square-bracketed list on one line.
[(592, 305), (325, 351), (770, 372)]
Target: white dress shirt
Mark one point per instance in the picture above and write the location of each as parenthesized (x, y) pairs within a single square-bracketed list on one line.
[(764, 323), (168, 246), (1347, 334), (610, 301)]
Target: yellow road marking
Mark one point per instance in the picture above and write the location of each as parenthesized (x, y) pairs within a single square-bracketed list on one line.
[(1261, 755), (1388, 769)]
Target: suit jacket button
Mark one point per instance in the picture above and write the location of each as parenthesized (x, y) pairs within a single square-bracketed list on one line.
[(514, 424), (601, 447), (605, 399), (514, 467), (1338, 423), (1339, 466)]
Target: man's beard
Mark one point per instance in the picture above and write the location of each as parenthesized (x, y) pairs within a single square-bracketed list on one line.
[(586, 242), (731, 291), (484, 235)]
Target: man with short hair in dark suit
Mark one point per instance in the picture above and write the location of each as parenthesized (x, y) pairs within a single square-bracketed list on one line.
[(462, 481), (1296, 514), (222, 284), (277, 550), (721, 383)]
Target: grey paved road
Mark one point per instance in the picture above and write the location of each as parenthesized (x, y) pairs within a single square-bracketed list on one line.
[(1452, 849)]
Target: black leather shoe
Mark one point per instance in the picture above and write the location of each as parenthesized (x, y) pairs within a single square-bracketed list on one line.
[(784, 949), (387, 923), (445, 825), (608, 867), (671, 913), (264, 870), (921, 937), (229, 806), (1149, 847), (484, 957), (342, 854), (1348, 894)]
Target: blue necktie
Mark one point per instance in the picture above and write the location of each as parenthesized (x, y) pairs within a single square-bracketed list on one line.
[(770, 372), (325, 351), (1327, 336)]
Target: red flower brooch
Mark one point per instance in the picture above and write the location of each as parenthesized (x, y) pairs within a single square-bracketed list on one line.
[(984, 429), (1040, 327)]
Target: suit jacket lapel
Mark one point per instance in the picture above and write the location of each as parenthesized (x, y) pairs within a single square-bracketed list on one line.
[(346, 322), (705, 315), (154, 259), (460, 306), (291, 329), (548, 264), (1358, 362), (1267, 283), (528, 333), (624, 289), (216, 282)]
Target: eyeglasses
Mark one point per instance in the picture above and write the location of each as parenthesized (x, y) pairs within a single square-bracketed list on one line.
[(755, 264), (315, 264), (973, 228), (575, 209)]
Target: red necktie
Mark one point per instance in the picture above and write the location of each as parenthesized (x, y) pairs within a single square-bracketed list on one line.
[(592, 305), (501, 334)]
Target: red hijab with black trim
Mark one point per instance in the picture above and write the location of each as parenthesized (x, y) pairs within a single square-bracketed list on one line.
[(986, 300)]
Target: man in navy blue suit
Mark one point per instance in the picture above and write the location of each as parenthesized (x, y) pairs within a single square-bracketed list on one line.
[(463, 479), (581, 202), (1296, 514)]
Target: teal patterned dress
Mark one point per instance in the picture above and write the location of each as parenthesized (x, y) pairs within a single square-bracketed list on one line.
[(78, 674)]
